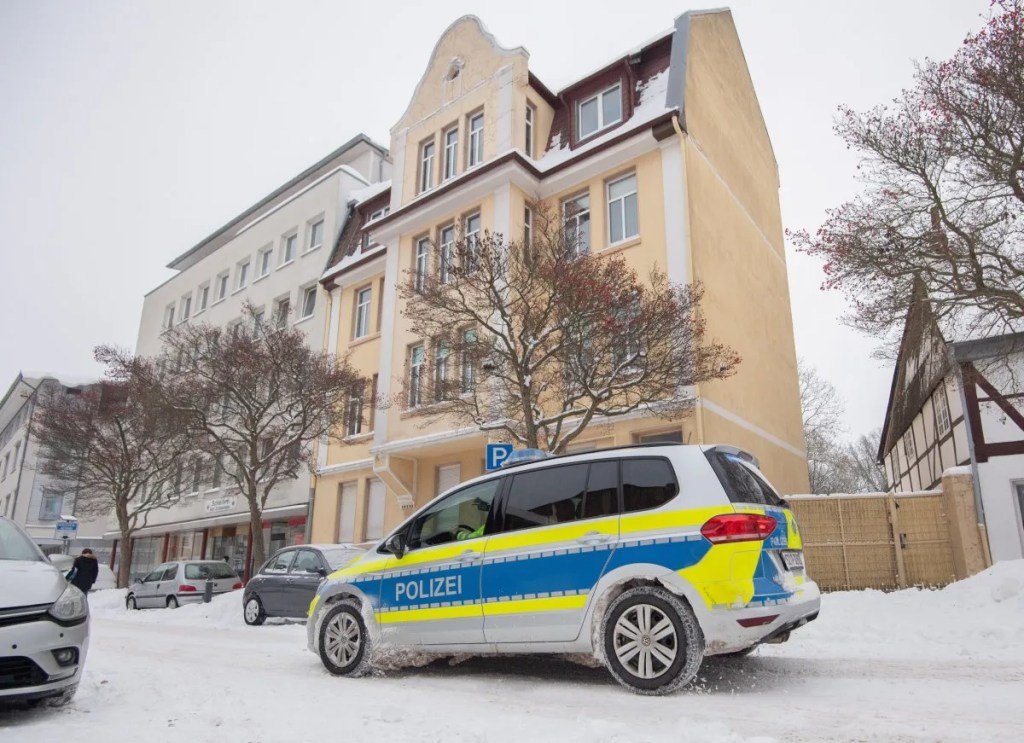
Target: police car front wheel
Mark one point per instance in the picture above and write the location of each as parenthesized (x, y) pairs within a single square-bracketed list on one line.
[(344, 642), (652, 641)]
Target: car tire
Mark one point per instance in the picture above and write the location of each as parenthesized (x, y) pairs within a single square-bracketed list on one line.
[(344, 644), (253, 613), (172, 602), (130, 603), (653, 644)]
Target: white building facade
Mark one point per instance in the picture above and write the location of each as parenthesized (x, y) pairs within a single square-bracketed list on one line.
[(28, 497), (960, 404), (271, 256)]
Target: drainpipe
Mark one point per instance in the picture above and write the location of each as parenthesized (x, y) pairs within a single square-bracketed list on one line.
[(698, 409)]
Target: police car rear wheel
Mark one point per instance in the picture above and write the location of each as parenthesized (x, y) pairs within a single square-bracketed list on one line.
[(344, 643), (652, 641)]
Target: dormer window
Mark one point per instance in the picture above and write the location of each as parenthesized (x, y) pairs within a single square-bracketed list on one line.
[(599, 112)]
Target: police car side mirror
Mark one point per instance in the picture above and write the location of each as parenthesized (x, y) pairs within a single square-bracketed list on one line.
[(395, 545)]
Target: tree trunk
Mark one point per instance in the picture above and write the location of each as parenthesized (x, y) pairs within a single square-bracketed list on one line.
[(256, 530), (124, 565)]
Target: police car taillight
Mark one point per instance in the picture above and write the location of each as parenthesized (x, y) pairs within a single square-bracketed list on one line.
[(738, 527)]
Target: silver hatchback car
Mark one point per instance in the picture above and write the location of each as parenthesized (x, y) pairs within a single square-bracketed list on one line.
[(183, 582)]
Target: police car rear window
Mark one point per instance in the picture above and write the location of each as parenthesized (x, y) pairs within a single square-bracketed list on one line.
[(742, 483), (556, 495), (647, 483)]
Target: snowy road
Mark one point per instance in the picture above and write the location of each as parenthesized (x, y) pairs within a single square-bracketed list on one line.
[(915, 665)]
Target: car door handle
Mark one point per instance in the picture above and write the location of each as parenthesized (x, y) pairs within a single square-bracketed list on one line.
[(469, 556), (594, 537)]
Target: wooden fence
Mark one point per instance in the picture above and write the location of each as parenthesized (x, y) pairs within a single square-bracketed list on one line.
[(876, 540)]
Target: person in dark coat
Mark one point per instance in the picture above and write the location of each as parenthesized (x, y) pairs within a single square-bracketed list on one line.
[(84, 571)]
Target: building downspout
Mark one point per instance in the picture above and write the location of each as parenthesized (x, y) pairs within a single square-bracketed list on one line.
[(979, 505), (698, 412)]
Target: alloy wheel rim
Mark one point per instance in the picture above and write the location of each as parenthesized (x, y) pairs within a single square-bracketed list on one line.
[(645, 641), (252, 610), (342, 639)]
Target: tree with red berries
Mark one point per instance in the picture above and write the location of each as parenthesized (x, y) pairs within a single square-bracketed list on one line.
[(943, 198), (536, 339)]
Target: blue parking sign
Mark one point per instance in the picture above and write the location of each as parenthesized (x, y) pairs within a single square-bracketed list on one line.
[(496, 454)]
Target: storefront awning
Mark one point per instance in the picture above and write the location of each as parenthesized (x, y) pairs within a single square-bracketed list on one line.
[(227, 519)]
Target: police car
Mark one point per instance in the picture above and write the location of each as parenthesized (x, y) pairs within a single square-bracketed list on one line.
[(648, 557)]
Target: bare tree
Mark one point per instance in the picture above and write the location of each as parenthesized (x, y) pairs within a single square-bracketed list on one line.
[(943, 198), (822, 415), (256, 398), (863, 472), (538, 339), (116, 444)]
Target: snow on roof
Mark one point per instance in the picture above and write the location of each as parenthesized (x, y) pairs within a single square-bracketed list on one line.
[(350, 260), (652, 104), (972, 324), (365, 194)]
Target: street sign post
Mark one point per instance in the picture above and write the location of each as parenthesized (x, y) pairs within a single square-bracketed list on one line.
[(496, 454)]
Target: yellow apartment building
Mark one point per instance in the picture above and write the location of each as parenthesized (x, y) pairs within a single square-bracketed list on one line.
[(669, 136)]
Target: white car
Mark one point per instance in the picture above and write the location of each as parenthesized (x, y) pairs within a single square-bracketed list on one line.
[(647, 557), (44, 624), (104, 579)]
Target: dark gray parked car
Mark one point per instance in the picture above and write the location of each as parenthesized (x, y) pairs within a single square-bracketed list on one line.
[(287, 582)]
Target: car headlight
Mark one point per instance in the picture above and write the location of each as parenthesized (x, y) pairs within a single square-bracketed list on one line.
[(70, 607)]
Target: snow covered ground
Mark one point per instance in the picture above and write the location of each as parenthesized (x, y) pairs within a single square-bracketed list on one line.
[(913, 665)]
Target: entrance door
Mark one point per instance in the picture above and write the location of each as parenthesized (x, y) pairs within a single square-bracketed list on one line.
[(431, 595)]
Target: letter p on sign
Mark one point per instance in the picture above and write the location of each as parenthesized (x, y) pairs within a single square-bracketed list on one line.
[(496, 454)]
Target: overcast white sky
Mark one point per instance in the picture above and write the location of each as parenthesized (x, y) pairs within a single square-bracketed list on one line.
[(131, 130)]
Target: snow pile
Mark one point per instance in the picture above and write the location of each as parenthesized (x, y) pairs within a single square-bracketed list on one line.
[(223, 612), (980, 618)]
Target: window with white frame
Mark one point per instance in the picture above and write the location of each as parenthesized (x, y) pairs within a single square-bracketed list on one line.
[(476, 140), (222, 286), (186, 308), (531, 115), (378, 213), (258, 317), (197, 475), (426, 166), (472, 242), (281, 313), (308, 301), (941, 411), (599, 111), (908, 446), (169, 317), (468, 371), (442, 354), (243, 275), (363, 298), (447, 254), (204, 297), (527, 227), (576, 223), (451, 151), (376, 498), (263, 264), (417, 358), (354, 411), (316, 235), (422, 263), (622, 210), (288, 247), (347, 513)]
